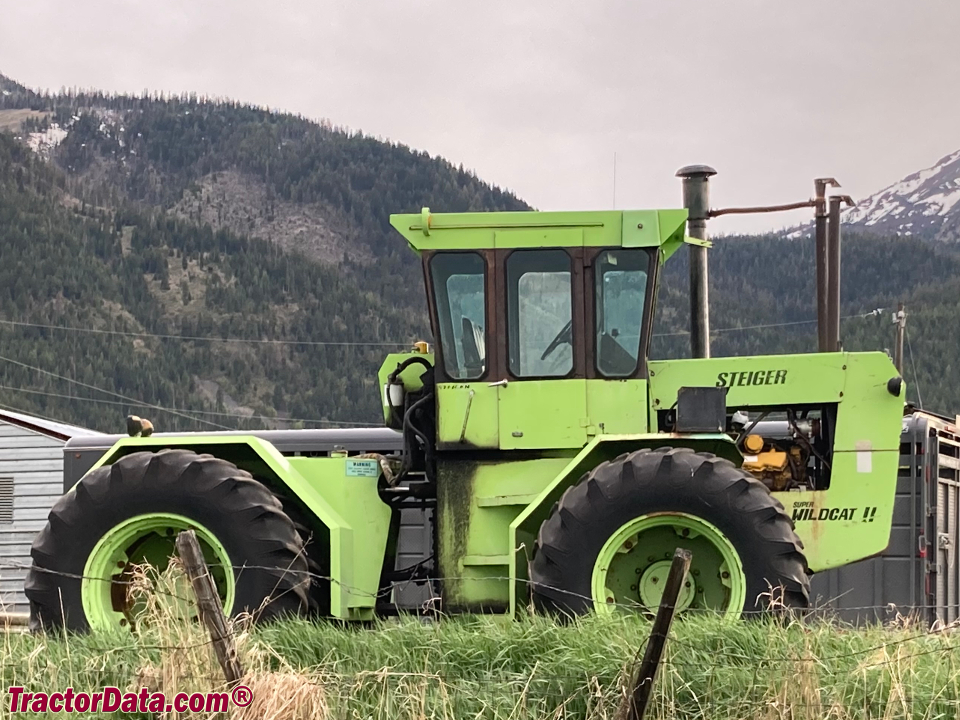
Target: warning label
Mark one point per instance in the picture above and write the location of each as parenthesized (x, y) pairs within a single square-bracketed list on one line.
[(363, 468)]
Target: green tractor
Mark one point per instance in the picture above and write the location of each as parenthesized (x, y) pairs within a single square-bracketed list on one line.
[(560, 466)]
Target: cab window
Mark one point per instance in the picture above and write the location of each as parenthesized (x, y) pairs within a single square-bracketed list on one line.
[(458, 286), (621, 287), (540, 313)]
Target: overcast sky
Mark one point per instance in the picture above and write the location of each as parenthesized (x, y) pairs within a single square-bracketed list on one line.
[(539, 96)]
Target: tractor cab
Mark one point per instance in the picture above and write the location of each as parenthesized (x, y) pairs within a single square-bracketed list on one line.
[(541, 322)]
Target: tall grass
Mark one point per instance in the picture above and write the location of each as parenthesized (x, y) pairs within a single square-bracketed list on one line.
[(533, 669)]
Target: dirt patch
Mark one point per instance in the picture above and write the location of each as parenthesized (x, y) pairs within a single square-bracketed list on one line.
[(12, 120)]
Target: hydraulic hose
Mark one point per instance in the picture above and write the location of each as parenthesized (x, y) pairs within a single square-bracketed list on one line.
[(407, 363)]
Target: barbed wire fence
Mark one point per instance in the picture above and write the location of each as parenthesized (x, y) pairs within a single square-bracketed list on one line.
[(910, 673)]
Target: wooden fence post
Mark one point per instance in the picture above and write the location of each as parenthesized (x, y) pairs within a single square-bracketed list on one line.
[(208, 602), (646, 673)]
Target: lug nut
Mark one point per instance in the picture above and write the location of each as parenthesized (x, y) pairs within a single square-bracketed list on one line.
[(695, 573), (650, 558), (633, 587), (637, 571), (685, 532), (725, 575), (655, 579)]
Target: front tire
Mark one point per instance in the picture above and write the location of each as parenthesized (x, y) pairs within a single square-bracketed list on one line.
[(608, 542), (130, 512)]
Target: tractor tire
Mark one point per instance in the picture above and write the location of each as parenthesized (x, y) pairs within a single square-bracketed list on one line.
[(137, 505), (609, 541), (317, 553)]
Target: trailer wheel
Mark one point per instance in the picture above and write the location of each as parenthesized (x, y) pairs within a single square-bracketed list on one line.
[(129, 513), (608, 542)]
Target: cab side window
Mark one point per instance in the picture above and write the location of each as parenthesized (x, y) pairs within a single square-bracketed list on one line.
[(540, 313), (621, 287), (459, 286)]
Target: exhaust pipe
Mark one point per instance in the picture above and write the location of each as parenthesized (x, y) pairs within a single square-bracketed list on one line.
[(696, 199)]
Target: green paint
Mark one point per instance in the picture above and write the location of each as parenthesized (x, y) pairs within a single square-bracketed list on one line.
[(467, 416), (507, 451), (632, 566), (524, 526), (349, 508), (543, 414), (366, 523), (145, 539), (616, 406), (866, 446), (477, 501), (410, 375)]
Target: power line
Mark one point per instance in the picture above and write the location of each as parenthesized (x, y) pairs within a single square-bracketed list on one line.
[(110, 392), (767, 325), (202, 338), (197, 412), (324, 343), (15, 409)]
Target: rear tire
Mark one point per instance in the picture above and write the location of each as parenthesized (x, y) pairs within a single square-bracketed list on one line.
[(608, 541), (237, 516)]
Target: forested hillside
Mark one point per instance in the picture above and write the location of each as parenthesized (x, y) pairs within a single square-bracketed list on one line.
[(248, 169), (141, 272), (158, 228)]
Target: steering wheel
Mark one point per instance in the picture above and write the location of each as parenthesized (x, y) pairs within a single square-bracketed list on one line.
[(564, 336)]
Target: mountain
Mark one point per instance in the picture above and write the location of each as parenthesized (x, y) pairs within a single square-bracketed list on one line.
[(925, 204), (141, 221), (235, 266), (304, 185)]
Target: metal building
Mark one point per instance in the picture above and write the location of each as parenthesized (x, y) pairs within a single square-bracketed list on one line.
[(31, 481)]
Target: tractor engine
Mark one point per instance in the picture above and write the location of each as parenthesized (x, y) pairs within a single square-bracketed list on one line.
[(789, 454)]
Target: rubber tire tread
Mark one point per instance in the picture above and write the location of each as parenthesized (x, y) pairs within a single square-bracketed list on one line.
[(665, 480), (270, 567), (318, 558)]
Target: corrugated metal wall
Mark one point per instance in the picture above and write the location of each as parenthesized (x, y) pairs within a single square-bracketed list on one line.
[(31, 475)]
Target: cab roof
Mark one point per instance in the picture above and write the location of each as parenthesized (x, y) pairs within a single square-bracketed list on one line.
[(598, 228)]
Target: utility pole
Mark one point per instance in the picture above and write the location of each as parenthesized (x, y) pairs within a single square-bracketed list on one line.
[(820, 200), (900, 320), (833, 272), (696, 199)]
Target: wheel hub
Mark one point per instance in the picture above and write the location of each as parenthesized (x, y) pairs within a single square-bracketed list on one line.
[(632, 567), (144, 540), (654, 579)]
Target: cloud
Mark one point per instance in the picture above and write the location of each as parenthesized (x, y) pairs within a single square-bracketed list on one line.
[(538, 96)]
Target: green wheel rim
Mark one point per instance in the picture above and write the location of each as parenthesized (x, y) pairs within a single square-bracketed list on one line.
[(144, 539), (633, 564)]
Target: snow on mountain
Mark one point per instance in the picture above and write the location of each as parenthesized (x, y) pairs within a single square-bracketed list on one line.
[(924, 203)]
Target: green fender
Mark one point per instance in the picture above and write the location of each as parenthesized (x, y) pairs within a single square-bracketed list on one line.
[(254, 451), (524, 529)]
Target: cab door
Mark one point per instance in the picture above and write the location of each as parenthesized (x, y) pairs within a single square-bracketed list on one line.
[(461, 291), (542, 392)]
